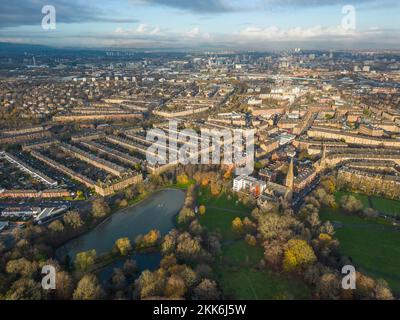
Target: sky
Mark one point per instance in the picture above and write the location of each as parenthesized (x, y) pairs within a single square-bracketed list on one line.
[(205, 24)]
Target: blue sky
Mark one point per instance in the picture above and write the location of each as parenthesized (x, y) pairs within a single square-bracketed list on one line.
[(233, 24)]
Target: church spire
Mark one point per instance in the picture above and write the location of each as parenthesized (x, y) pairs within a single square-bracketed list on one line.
[(290, 176)]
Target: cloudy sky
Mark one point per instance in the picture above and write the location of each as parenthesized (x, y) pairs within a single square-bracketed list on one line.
[(218, 24)]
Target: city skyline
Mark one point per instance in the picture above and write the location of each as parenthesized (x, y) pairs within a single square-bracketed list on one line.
[(237, 25)]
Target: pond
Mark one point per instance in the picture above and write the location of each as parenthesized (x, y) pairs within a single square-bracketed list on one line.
[(156, 212)]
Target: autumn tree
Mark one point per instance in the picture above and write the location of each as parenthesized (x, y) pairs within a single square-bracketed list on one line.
[(22, 267), (275, 226), (64, 286), (84, 260), (175, 287), (206, 290), (25, 289), (188, 248), (129, 268), (202, 210), (186, 215), (73, 219), (56, 226), (88, 288), (150, 239), (350, 204), (100, 208), (123, 245), (237, 225), (150, 284), (182, 179), (298, 255)]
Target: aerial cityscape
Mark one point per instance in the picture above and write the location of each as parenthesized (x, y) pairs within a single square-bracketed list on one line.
[(200, 150)]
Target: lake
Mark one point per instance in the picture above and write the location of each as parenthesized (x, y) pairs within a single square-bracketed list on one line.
[(156, 212)]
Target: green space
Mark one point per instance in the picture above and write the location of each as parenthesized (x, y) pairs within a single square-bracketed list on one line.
[(387, 206), (372, 244), (220, 212), (391, 207), (237, 268), (239, 252), (184, 186), (245, 284), (363, 198)]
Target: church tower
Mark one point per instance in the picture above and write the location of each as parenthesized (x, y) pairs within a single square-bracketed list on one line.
[(290, 176)]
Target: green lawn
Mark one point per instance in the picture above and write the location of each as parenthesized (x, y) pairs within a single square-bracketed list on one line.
[(373, 245), (363, 198), (387, 206), (391, 207), (220, 212), (249, 284), (239, 252)]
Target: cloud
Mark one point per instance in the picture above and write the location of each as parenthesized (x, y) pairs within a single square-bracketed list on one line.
[(294, 34), (27, 12), (281, 4), (196, 6)]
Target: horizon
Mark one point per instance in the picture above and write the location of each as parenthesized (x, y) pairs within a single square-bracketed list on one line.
[(256, 25)]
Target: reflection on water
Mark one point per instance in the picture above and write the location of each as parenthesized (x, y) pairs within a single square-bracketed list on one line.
[(156, 212)]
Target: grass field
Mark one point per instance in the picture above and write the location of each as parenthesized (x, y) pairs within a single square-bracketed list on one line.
[(387, 206), (220, 212), (250, 284), (373, 245), (363, 198)]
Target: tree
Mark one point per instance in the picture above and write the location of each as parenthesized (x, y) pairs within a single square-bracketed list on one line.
[(148, 240), (207, 290), (169, 242), (187, 247), (175, 287), (118, 279), (22, 266), (73, 219), (56, 226), (328, 183), (202, 210), (150, 284), (237, 225), (88, 288), (350, 204), (215, 188), (382, 291), (100, 208), (84, 260), (123, 246), (275, 226), (129, 268), (25, 289), (298, 255), (329, 201), (273, 253), (328, 286), (251, 240), (182, 179), (64, 286), (123, 203), (185, 216)]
